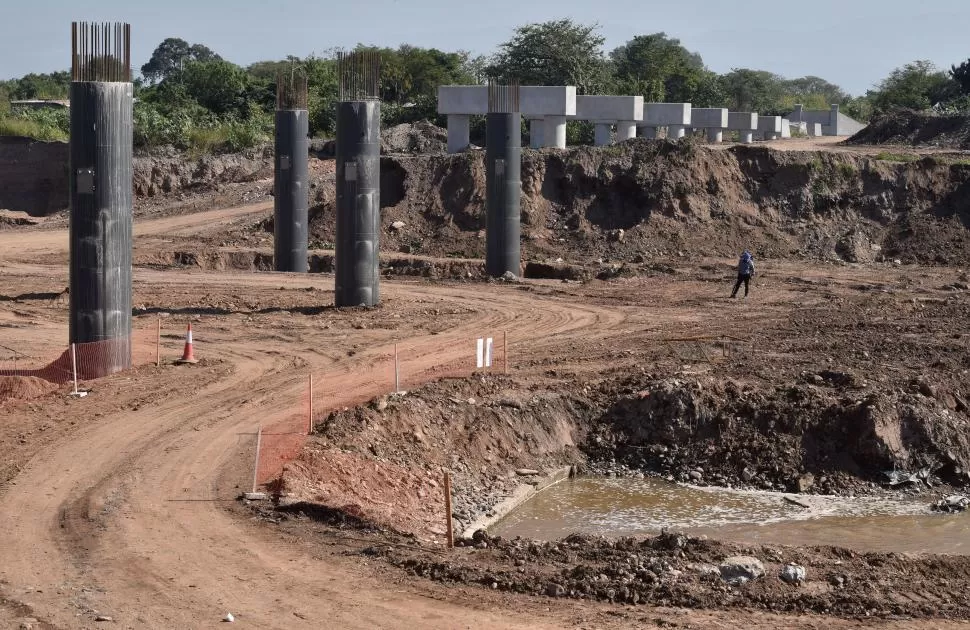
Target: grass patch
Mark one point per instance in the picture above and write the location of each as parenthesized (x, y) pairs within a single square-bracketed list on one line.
[(896, 157), (27, 128)]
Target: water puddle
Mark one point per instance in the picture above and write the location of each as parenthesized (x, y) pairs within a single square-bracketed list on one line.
[(636, 507)]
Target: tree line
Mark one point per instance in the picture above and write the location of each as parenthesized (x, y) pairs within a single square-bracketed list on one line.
[(190, 97)]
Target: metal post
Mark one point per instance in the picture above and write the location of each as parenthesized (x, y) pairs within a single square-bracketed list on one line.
[(449, 526), (291, 181), (100, 177), (158, 343), (397, 371), (358, 182), (259, 439), (503, 163)]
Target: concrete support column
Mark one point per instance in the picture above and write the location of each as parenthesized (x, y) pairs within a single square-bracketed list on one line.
[(291, 191), (625, 130), (715, 136), (101, 226), (747, 137), (647, 132), (503, 184), (458, 133), (603, 134), (676, 132), (535, 133), (771, 136), (554, 132), (358, 204)]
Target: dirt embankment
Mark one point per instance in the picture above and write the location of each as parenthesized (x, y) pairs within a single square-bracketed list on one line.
[(908, 127), (644, 200)]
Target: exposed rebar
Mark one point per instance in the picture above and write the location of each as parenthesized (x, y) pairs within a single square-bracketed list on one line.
[(101, 51), (503, 98), (291, 90), (359, 75)]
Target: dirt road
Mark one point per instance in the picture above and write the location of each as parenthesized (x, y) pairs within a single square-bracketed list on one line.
[(120, 510)]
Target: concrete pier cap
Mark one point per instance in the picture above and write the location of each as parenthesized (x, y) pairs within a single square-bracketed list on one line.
[(549, 104), (745, 123), (708, 118), (604, 111), (676, 117), (769, 126)]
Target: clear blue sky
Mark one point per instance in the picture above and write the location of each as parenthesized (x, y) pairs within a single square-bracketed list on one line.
[(853, 43)]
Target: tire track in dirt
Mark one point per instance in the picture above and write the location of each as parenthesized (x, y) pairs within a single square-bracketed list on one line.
[(107, 525)]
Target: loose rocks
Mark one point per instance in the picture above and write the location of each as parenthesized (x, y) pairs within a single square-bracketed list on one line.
[(741, 569), (793, 574)]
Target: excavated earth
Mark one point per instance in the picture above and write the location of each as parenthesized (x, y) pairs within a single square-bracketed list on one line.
[(850, 358)]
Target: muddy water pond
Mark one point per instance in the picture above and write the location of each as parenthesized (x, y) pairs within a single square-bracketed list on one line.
[(634, 507)]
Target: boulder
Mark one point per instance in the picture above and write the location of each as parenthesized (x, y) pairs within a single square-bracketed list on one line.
[(741, 569)]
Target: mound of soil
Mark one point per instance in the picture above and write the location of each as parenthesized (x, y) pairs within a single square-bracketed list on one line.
[(918, 129), (646, 200), (23, 388), (384, 460), (419, 137), (683, 572)]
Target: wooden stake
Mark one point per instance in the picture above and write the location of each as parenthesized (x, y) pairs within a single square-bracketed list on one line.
[(310, 414), (158, 344), (448, 524), (259, 439), (505, 350)]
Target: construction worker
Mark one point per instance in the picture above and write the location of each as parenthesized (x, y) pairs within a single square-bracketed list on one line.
[(745, 271)]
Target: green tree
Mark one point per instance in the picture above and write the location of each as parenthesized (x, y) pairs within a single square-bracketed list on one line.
[(171, 56), (961, 74), (219, 85), (558, 52), (55, 85), (657, 67), (918, 85), (751, 90)]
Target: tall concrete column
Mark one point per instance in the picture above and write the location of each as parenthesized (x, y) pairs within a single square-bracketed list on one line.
[(676, 132), (100, 180), (647, 132), (459, 133), (554, 132), (292, 176), (625, 130), (603, 134), (503, 164), (536, 126), (715, 136), (358, 203)]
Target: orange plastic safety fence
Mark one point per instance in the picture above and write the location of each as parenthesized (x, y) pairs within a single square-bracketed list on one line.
[(282, 441)]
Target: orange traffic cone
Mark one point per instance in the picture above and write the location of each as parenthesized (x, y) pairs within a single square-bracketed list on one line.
[(187, 355)]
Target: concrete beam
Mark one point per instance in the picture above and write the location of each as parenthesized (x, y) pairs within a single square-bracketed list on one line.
[(742, 121), (663, 114), (535, 101), (608, 108), (708, 118), (769, 124)]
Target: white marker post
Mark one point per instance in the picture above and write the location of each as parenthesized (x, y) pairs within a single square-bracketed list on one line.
[(480, 353), (259, 439), (488, 352), (77, 393)]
